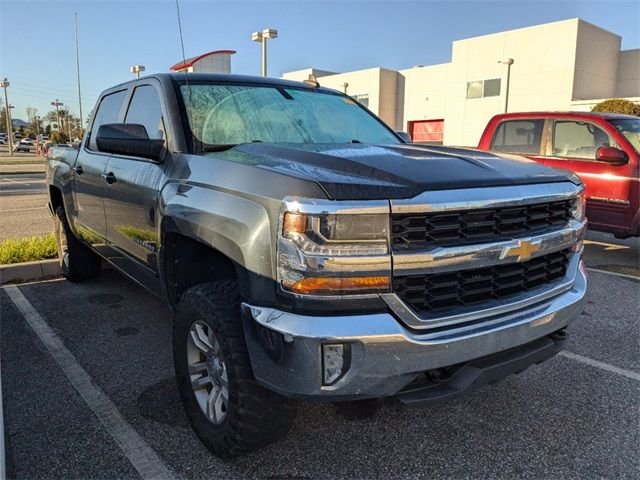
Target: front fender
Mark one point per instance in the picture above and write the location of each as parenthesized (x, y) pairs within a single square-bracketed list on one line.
[(238, 227)]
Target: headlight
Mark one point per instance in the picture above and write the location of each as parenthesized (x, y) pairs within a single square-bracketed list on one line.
[(580, 206), (579, 213), (334, 253)]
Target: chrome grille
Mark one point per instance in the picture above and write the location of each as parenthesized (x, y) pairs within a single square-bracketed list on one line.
[(415, 231), (438, 292)]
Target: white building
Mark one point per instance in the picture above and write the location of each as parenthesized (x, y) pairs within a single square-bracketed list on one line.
[(566, 65), (218, 61)]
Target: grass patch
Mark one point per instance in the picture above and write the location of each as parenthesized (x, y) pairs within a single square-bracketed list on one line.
[(28, 249)]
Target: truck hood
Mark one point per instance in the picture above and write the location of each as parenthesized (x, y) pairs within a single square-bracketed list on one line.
[(366, 172)]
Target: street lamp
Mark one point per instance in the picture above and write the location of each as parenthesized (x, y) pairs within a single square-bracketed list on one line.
[(345, 85), (57, 103), (4, 84), (262, 37), (508, 62), (137, 69)]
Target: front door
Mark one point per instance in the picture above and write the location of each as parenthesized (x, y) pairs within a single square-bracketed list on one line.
[(89, 169), (572, 146), (131, 198)]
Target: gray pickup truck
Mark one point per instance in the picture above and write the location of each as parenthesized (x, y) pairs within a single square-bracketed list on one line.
[(310, 252)]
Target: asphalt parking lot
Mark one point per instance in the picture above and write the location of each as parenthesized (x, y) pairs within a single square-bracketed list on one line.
[(23, 200), (575, 416)]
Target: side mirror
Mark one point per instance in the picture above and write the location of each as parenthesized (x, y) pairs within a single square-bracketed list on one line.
[(128, 139), (611, 155), (405, 136)]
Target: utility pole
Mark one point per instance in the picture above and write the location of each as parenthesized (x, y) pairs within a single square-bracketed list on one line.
[(75, 23), (5, 84), (57, 104)]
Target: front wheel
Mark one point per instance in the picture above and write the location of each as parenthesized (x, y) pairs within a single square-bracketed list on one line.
[(231, 414), (77, 262)]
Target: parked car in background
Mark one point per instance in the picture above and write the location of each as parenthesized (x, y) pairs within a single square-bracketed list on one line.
[(601, 148), (22, 146), (3, 139), (28, 141)]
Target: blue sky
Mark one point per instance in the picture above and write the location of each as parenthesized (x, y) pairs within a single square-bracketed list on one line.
[(37, 41)]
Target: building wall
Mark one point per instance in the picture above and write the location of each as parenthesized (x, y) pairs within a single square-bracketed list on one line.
[(213, 64), (557, 66), (379, 84), (628, 78), (596, 70)]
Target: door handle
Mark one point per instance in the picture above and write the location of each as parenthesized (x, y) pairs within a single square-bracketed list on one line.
[(110, 178), (78, 170)]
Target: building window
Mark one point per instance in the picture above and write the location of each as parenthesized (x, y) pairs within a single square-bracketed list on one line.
[(483, 88), (474, 89), (492, 87), (362, 99)]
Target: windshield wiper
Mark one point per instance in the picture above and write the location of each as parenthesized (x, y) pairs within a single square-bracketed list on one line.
[(217, 148)]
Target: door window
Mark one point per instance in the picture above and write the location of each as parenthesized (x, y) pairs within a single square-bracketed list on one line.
[(574, 139), (518, 136), (108, 112), (144, 109)]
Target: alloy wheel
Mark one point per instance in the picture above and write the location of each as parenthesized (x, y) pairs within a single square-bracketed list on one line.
[(207, 371)]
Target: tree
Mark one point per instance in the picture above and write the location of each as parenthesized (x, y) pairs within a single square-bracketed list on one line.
[(47, 129), (618, 105), (59, 137), (51, 118)]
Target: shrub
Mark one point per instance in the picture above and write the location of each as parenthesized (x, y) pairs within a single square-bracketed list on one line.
[(59, 137), (618, 105), (28, 249)]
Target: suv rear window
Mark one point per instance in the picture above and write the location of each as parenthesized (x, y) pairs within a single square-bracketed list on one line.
[(518, 136)]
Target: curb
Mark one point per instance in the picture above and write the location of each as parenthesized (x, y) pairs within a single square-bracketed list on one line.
[(29, 271)]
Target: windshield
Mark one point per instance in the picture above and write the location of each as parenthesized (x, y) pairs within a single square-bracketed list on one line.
[(226, 115), (630, 128)]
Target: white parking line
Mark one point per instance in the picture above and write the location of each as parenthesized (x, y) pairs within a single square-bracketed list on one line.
[(601, 365), (615, 274), (3, 462), (143, 458)]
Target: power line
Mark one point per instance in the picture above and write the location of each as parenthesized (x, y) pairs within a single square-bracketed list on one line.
[(40, 87)]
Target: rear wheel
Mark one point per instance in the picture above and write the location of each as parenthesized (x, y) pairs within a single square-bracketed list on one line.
[(231, 414), (77, 262)]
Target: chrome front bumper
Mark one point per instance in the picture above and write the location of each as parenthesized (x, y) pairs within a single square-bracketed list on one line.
[(385, 356)]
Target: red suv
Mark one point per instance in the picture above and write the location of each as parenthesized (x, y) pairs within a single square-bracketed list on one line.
[(601, 148)]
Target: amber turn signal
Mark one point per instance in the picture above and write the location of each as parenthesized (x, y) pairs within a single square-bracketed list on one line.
[(322, 285), (294, 223)]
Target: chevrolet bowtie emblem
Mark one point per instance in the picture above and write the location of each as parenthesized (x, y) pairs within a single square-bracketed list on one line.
[(523, 250)]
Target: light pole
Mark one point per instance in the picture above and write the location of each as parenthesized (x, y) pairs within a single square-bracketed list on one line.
[(69, 124), (345, 85), (5, 84), (262, 37), (508, 62), (137, 69), (57, 103)]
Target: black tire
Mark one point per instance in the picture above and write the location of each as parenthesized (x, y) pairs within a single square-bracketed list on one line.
[(254, 417), (77, 262)]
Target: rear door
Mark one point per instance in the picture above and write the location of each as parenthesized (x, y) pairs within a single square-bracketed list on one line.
[(572, 145), (522, 136), (131, 199), (89, 185)]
